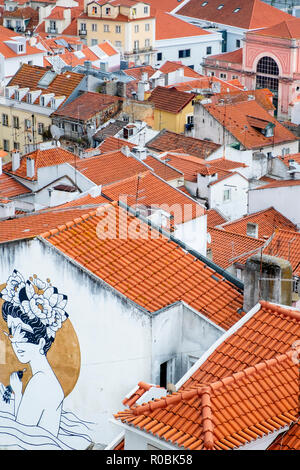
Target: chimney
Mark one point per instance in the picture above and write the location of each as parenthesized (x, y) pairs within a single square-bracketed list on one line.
[(267, 278), (125, 150), (29, 167), (141, 88), (15, 156)]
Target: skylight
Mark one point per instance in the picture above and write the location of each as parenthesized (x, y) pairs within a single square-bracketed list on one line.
[(47, 79), (220, 6), (236, 10), (204, 3)]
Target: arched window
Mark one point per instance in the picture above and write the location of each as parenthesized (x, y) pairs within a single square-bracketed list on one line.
[(267, 66)]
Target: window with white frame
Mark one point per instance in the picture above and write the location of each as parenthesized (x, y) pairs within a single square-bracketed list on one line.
[(6, 145), (106, 28), (118, 29), (107, 11), (147, 27), (136, 28), (223, 75), (118, 43), (136, 45), (147, 42), (226, 195), (94, 26), (15, 122), (5, 119), (27, 123), (146, 10), (94, 42), (40, 128)]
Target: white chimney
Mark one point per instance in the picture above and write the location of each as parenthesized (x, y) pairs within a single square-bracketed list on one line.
[(15, 156), (29, 167), (125, 150)]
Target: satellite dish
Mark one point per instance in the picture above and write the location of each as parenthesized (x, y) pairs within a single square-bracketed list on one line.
[(56, 132)]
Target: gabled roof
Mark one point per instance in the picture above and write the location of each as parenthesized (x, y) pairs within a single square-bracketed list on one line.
[(226, 246), (214, 218), (171, 27), (247, 387), (168, 141), (170, 99), (171, 66), (7, 35), (149, 191), (136, 72), (86, 106), (112, 143), (235, 118), (287, 29), (234, 57), (246, 14), (10, 188), (268, 221), (151, 270), (286, 244), (279, 184), (225, 164), (42, 158)]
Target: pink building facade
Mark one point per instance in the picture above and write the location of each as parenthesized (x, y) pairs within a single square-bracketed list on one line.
[(269, 59)]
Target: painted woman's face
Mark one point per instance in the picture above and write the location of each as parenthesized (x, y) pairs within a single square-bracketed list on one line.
[(23, 349)]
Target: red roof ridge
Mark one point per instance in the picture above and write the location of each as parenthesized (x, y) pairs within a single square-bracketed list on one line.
[(295, 314)]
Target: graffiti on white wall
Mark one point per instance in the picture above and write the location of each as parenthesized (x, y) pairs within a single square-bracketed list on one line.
[(41, 367)]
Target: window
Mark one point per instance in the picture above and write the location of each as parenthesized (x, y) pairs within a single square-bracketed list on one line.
[(208, 50), (133, 11), (83, 26), (52, 25), (136, 45), (21, 48), (147, 59), (212, 74), (238, 43), (233, 77), (40, 128), (27, 124), (226, 195), (15, 122), (17, 145), (190, 119), (61, 125), (42, 101), (118, 29), (29, 98), (159, 56), (6, 145), (223, 75), (107, 11), (184, 53), (136, 28), (146, 10), (17, 96), (118, 43), (267, 65), (106, 28), (94, 10), (5, 119), (147, 42), (94, 27), (147, 27), (94, 42), (74, 127)]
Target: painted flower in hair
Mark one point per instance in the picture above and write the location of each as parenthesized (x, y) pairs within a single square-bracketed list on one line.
[(14, 284)]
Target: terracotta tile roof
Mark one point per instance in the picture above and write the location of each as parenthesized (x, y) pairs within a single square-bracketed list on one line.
[(286, 158), (214, 218), (172, 66), (268, 221), (227, 246), (109, 131), (225, 164), (42, 158), (234, 57), (6, 35), (171, 27), (225, 414), (170, 99), (25, 13), (152, 271), (279, 184), (142, 388), (115, 166), (71, 30), (148, 190), (251, 14), (136, 72), (120, 446), (86, 106), (168, 141), (57, 13), (190, 166), (108, 49), (113, 143), (237, 122), (9, 187), (263, 97), (286, 244), (199, 84), (289, 440), (62, 85), (287, 29), (164, 5)]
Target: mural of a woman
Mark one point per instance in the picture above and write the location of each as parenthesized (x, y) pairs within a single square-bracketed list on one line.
[(34, 311)]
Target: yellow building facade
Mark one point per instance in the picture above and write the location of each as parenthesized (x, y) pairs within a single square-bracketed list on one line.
[(171, 121), (129, 27)]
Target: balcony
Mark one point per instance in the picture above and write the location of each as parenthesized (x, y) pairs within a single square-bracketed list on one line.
[(52, 30), (140, 50)]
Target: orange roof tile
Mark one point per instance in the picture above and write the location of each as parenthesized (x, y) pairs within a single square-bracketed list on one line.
[(214, 218), (136, 72), (168, 141), (7, 52), (251, 14), (86, 106), (235, 118), (268, 221), (279, 184), (235, 57), (108, 49), (225, 414), (142, 388), (292, 156), (148, 190), (198, 84), (263, 97), (152, 270), (9, 187), (171, 66), (286, 244), (42, 158), (113, 143), (170, 27), (289, 440), (170, 99), (227, 246), (287, 29), (225, 164)]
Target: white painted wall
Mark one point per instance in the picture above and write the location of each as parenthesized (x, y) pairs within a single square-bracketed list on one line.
[(193, 233), (236, 206), (285, 199)]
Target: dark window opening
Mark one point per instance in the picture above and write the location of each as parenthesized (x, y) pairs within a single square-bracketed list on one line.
[(163, 374)]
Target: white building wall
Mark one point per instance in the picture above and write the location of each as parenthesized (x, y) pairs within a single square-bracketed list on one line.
[(236, 206), (13, 64), (284, 199)]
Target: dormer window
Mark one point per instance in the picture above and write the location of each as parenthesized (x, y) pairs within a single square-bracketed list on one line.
[(29, 98), (53, 103), (220, 7), (145, 10), (17, 96), (107, 11), (42, 101), (20, 48), (134, 11), (94, 10)]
